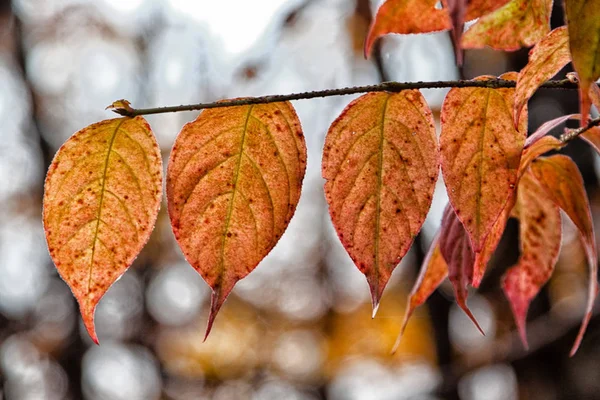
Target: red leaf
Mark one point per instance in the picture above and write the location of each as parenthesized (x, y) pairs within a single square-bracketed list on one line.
[(458, 254), (480, 153), (380, 163), (540, 239), (433, 272), (406, 16), (101, 199), (233, 183), (457, 9), (491, 243), (546, 59), (478, 8), (561, 179), (583, 21), (547, 126), (519, 23)]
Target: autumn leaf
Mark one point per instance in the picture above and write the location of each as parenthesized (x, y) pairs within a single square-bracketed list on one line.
[(433, 272), (546, 59), (583, 21), (457, 10), (101, 199), (480, 153), (519, 23), (535, 145), (233, 183), (483, 257), (456, 250), (563, 183), (380, 163), (540, 239), (536, 149), (406, 16), (478, 8), (547, 126), (592, 136)]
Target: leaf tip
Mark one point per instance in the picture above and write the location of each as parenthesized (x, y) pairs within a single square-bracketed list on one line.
[(407, 316), (375, 307), (88, 309), (216, 301), (463, 305)]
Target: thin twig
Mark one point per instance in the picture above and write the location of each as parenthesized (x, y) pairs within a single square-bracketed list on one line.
[(382, 87), (573, 133)]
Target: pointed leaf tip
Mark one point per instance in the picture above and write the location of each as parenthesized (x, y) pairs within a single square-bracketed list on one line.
[(463, 305), (233, 183), (216, 301), (433, 272), (380, 164), (101, 199), (88, 310), (407, 316)]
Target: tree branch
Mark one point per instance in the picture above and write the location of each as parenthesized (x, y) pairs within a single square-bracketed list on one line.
[(381, 87), (573, 133)]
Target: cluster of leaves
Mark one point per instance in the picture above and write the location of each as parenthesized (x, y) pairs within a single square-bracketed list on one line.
[(235, 173)]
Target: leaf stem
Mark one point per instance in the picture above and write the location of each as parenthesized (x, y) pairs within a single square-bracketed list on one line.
[(573, 133), (381, 87)]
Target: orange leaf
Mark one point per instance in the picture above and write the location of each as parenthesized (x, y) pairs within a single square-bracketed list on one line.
[(535, 149), (406, 16), (480, 153), (583, 21), (546, 59), (539, 147), (519, 23), (380, 163), (233, 183), (478, 8), (433, 272), (458, 254), (491, 243), (540, 238), (101, 199), (561, 179)]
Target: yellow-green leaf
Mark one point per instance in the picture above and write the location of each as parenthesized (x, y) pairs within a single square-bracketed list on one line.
[(101, 199), (583, 21), (233, 183), (519, 23), (380, 163)]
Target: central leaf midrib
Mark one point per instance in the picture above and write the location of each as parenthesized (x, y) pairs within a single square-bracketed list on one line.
[(379, 189), (234, 191), (101, 202)]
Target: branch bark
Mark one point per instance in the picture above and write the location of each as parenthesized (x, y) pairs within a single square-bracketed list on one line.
[(381, 87)]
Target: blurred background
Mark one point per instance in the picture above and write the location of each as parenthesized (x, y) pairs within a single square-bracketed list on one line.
[(299, 327)]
